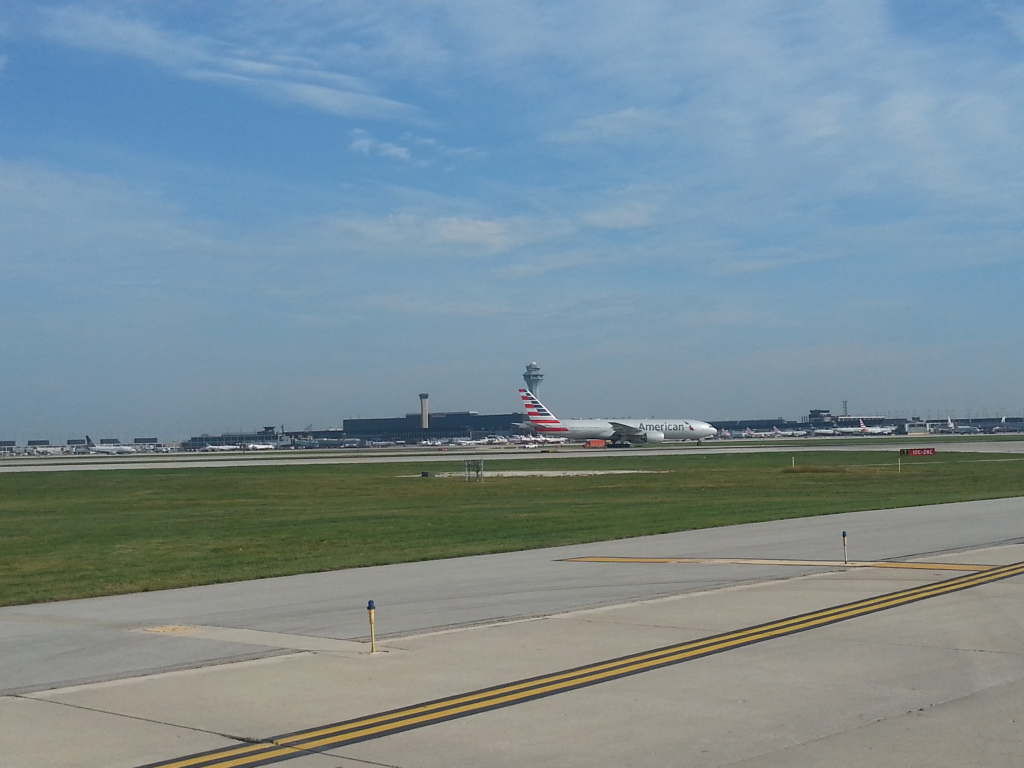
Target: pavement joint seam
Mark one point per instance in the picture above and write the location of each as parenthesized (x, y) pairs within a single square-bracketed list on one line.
[(137, 718)]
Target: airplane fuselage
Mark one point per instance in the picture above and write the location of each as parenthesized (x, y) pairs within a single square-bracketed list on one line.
[(600, 429), (618, 431)]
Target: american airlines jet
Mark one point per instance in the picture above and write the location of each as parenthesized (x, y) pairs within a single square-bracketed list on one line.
[(618, 431), (863, 430)]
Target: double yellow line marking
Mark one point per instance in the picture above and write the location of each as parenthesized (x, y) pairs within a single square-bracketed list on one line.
[(417, 716), (762, 561)]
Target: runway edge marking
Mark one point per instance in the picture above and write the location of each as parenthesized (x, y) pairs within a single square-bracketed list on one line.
[(375, 726)]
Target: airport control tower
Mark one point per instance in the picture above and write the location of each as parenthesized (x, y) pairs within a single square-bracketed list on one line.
[(533, 377)]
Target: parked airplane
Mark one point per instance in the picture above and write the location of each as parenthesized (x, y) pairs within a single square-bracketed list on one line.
[(258, 447), (1002, 426), (876, 430), (847, 431), (760, 434), (776, 432), (618, 431), (535, 439), (965, 429), (214, 448), (109, 449), (45, 450), (863, 430)]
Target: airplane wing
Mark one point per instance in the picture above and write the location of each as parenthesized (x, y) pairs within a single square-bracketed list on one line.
[(624, 430)]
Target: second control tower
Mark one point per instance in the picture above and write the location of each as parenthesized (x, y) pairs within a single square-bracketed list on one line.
[(533, 377)]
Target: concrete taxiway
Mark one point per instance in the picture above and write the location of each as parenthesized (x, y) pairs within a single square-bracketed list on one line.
[(753, 646)]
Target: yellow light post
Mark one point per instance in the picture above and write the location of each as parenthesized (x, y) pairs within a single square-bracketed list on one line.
[(370, 607)]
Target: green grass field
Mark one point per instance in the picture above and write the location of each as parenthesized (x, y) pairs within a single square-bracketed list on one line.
[(79, 534)]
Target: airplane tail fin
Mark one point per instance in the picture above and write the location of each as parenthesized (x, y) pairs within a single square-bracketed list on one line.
[(88, 441), (540, 417)]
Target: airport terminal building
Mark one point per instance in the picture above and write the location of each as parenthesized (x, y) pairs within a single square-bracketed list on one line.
[(440, 426), (357, 433)]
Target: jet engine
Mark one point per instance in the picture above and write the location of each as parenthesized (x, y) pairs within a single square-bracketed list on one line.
[(653, 437)]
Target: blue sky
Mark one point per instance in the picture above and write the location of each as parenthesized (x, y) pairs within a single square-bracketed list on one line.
[(218, 216)]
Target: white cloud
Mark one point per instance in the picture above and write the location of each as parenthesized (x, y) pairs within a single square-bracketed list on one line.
[(364, 144), (492, 236), (85, 28), (420, 151), (409, 236)]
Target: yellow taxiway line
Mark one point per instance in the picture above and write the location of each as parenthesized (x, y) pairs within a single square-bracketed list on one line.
[(323, 738), (759, 561)]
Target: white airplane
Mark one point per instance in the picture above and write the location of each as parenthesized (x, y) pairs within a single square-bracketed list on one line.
[(618, 431), (847, 431), (748, 432), (776, 432), (259, 447), (214, 448), (863, 430), (45, 450), (109, 449), (876, 430), (1002, 426), (966, 429)]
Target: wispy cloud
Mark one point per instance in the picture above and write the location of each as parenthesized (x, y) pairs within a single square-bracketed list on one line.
[(364, 144), (268, 73), (625, 125), (414, 237), (65, 224), (621, 179)]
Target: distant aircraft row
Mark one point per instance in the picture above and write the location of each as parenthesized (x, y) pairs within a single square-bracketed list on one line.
[(547, 428), (114, 449), (863, 429), (246, 447)]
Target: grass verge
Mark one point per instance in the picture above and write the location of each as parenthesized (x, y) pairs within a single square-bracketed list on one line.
[(79, 534)]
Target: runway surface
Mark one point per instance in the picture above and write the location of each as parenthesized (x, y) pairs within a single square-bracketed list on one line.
[(909, 652), (496, 453)]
